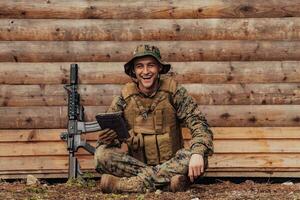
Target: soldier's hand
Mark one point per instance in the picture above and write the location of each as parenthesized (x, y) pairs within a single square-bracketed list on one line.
[(196, 166), (107, 136)]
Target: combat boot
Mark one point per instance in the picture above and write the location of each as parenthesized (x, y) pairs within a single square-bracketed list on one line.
[(113, 184), (179, 183)]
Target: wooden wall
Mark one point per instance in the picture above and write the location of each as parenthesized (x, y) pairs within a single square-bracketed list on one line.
[(239, 59)]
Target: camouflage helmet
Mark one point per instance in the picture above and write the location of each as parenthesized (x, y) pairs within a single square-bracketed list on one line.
[(145, 50)]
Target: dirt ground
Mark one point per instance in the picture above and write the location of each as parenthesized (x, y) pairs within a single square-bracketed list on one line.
[(221, 190)]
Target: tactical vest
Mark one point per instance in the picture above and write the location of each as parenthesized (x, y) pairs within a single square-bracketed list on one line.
[(155, 133)]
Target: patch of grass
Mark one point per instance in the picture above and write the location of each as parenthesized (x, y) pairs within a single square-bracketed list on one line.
[(34, 198), (86, 180), (36, 193), (78, 182), (37, 190), (116, 196), (140, 197)]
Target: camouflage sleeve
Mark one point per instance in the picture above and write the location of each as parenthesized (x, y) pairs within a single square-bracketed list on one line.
[(118, 104), (189, 113)]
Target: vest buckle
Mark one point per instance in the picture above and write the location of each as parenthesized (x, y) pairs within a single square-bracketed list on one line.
[(145, 115)]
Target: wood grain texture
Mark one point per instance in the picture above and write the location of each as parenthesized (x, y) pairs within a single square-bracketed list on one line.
[(183, 72), (149, 29), (42, 116), (252, 115), (265, 173), (255, 160), (94, 51), (102, 95), (239, 60), (250, 133), (266, 161), (148, 9), (220, 133), (217, 115), (236, 146)]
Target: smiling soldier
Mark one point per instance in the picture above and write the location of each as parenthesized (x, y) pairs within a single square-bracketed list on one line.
[(154, 107)]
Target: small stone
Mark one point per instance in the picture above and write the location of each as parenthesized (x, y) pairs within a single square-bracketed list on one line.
[(195, 198), (31, 180), (288, 183), (158, 192)]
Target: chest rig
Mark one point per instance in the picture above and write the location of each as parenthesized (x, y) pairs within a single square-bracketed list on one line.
[(155, 133)]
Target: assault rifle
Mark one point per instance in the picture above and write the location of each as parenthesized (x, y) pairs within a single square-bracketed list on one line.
[(77, 126)]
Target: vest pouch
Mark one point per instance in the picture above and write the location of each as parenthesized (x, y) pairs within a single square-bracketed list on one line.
[(151, 150), (164, 146), (158, 121), (135, 145), (137, 142)]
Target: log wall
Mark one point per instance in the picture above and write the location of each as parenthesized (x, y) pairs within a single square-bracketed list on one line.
[(239, 60)]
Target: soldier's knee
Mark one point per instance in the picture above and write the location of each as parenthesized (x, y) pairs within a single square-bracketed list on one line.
[(102, 156)]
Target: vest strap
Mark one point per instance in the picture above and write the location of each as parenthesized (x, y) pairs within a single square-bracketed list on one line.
[(145, 111)]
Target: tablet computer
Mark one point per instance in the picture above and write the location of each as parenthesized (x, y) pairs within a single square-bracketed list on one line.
[(114, 121)]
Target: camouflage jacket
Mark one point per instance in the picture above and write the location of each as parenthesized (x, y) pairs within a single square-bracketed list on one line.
[(189, 114)]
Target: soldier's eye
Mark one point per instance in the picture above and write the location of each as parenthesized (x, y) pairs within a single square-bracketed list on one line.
[(138, 66)]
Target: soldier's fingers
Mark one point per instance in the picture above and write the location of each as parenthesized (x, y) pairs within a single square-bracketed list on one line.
[(202, 169), (105, 138), (198, 171), (105, 130), (191, 174), (111, 133)]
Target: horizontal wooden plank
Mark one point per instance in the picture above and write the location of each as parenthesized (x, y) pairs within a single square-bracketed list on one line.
[(266, 174), (217, 115), (147, 9), (42, 163), (94, 51), (244, 94), (254, 160), (56, 95), (102, 95), (38, 149), (42, 117), (245, 133), (37, 135), (42, 174), (259, 146), (183, 72), (220, 133), (252, 115), (59, 73), (147, 29), (267, 161), (254, 169)]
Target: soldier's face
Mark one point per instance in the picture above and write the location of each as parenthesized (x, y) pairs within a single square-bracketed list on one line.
[(147, 70)]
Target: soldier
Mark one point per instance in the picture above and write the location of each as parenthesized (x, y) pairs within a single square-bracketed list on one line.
[(154, 107)]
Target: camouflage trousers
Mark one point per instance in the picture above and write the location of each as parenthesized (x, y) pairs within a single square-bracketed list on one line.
[(110, 161)]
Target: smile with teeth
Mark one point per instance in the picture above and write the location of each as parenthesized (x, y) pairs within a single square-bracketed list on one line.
[(147, 77)]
